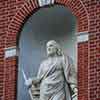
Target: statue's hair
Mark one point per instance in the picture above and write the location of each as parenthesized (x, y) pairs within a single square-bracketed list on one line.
[(57, 46), (59, 52)]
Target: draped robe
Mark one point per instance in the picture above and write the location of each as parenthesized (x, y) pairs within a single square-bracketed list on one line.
[(59, 81)]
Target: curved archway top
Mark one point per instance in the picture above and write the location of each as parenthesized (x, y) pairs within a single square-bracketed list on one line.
[(30, 6)]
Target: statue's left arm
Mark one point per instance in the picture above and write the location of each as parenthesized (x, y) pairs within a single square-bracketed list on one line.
[(70, 73)]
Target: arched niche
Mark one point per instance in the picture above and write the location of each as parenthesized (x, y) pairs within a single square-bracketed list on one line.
[(48, 23)]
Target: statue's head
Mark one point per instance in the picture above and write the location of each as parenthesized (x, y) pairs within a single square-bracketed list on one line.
[(53, 48)]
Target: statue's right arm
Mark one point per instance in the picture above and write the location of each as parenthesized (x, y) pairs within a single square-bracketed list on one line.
[(40, 71), (35, 80)]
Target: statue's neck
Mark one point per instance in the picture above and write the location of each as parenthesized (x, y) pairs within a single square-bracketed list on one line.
[(53, 56)]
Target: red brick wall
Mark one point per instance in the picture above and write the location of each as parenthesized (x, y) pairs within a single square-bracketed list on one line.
[(13, 14), (3, 28), (83, 71), (94, 65)]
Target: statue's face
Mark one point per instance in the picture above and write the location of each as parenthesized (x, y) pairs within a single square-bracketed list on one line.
[(51, 50)]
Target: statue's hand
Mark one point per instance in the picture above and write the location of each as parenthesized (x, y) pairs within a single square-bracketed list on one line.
[(75, 90), (36, 81), (75, 95), (28, 82)]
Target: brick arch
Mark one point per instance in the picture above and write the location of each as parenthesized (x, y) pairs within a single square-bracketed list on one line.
[(29, 7)]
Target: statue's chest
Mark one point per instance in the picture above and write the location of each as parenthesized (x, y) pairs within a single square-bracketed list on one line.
[(52, 64)]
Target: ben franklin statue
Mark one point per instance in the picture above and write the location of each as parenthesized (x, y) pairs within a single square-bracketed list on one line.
[(57, 77)]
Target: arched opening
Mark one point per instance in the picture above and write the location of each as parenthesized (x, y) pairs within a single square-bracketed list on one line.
[(57, 23)]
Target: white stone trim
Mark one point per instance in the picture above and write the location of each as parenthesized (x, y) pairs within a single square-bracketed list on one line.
[(45, 2), (82, 37), (10, 52)]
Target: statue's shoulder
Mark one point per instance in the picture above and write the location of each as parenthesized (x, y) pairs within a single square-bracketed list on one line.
[(66, 59)]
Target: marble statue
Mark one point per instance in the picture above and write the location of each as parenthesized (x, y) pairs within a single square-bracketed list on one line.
[(56, 78)]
